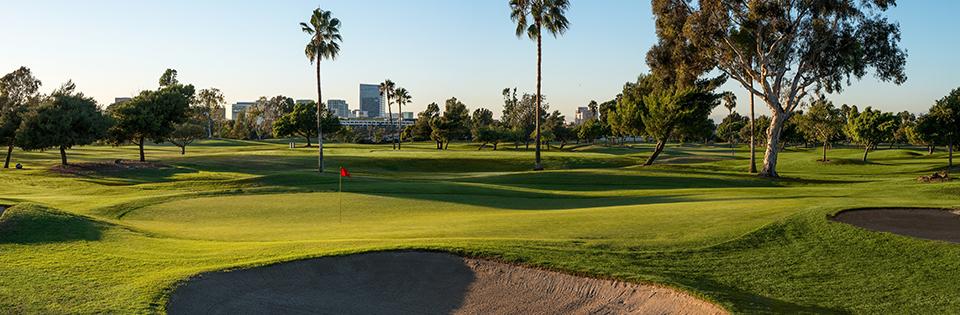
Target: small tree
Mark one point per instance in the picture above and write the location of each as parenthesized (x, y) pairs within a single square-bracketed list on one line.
[(926, 132), (62, 121), (453, 125), (18, 92), (822, 122), (729, 129), (152, 114), (869, 128), (301, 121), (186, 133), (947, 112)]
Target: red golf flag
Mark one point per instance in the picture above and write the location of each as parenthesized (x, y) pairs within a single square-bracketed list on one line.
[(344, 172)]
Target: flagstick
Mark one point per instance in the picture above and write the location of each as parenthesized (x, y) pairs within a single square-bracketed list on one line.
[(340, 199)]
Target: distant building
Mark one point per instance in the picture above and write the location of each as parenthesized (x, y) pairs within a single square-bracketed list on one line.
[(239, 107), (583, 114), (339, 108), (374, 122), (119, 100), (370, 100), (359, 114), (407, 115)]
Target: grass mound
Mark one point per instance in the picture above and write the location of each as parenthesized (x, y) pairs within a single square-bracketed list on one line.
[(31, 223)]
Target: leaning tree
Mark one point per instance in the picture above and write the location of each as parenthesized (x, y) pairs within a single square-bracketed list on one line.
[(782, 51)]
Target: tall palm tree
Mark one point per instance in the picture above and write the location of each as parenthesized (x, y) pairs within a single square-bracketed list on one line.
[(532, 17), (729, 101), (324, 31), (403, 97), (386, 91)]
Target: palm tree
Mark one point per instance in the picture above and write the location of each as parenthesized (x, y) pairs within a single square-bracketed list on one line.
[(403, 97), (729, 101), (324, 31), (386, 91), (532, 17)]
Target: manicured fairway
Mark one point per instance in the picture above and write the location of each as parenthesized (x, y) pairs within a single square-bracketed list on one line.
[(118, 240)]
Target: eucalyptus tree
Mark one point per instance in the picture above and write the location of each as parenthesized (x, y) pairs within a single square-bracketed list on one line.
[(403, 97), (324, 31), (790, 49), (209, 104), (532, 18), (18, 90)]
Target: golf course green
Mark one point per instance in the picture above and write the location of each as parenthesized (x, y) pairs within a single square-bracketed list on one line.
[(98, 237)]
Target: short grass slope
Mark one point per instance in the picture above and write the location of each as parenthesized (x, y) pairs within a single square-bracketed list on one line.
[(118, 240)]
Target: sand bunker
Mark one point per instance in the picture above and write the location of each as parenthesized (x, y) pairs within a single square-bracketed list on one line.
[(419, 283), (933, 224)]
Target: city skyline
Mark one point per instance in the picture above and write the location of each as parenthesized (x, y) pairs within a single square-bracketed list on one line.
[(439, 50)]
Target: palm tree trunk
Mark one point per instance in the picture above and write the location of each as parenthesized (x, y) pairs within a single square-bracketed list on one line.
[(399, 121), (390, 116), (6, 163), (319, 127), (753, 142), (538, 166), (63, 156)]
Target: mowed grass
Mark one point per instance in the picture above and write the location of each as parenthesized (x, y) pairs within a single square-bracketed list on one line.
[(117, 241)]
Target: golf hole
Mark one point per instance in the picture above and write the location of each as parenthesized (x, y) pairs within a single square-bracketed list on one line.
[(419, 283)]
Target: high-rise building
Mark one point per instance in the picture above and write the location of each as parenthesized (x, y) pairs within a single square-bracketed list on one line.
[(370, 100), (238, 108), (339, 108), (583, 114)]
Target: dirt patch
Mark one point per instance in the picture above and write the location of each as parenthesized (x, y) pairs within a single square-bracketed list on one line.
[(932, 224), (419, 283), (938, 177), (98, 167)]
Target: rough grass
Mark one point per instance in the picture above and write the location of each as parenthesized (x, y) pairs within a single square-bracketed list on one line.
[(117, 241)]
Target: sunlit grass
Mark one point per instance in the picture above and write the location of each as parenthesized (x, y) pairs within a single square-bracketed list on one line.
[(117, 240)]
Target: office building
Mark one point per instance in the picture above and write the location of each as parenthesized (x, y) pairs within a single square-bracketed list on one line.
[(339, 108), (370, 100), (239, 107), (359, 114), (407, 115), (583, 114), (119, 100)]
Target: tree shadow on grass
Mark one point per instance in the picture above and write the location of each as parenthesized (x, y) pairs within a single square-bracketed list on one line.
[(34, 224), (590, 181), (752, 303)]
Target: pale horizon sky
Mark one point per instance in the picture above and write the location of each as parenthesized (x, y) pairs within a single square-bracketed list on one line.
[(437, 49)]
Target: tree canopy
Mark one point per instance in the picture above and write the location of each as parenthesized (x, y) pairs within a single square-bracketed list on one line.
[(870, 127), (782, 51), (151, 115), (63, 120)]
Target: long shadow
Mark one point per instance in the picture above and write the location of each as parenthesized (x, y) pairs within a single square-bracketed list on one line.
[(585, 181), (33, 224), (751, 303)]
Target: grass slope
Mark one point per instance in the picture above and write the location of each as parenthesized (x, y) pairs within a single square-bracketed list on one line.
[(117, 240)]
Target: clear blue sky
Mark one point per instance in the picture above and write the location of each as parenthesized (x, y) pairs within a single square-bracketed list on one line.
[(434, 48)]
